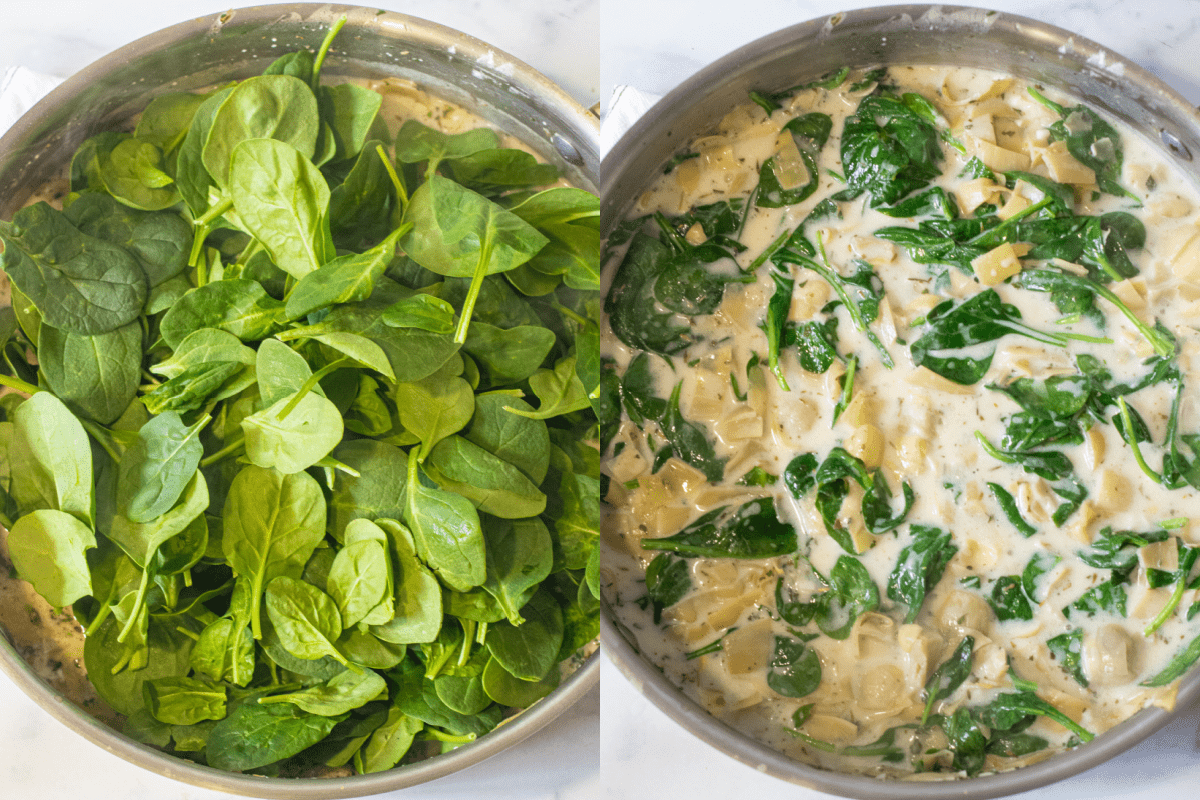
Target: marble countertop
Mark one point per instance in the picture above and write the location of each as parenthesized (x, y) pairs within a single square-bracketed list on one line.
[(40, 758), (653, 46)]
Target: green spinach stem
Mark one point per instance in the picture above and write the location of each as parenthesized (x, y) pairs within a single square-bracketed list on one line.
[(992, 450), (137, 607), (308, 385), (237, 445), (1131, 439), (442, 736), (324, 50), (102, 437), (18, 384), (401, 192), (468, 309), (1169, 608)]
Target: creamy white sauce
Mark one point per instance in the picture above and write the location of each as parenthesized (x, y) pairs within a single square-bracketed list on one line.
[(924, 428)]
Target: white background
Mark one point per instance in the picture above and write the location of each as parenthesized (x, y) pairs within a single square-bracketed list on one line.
[(40, 759), (653, 46)]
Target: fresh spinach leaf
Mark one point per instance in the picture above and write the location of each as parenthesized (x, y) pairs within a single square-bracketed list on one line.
[(750, 531)]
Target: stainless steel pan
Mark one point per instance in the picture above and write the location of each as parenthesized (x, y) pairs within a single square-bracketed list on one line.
[(237, 44), (905, 34)]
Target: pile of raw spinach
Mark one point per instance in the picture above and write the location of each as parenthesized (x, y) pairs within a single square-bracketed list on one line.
[(272, 440)]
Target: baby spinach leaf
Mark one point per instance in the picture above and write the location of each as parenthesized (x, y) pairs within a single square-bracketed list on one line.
[(50, 459), (350, 111), (800, 475), (203, 346), (494, 485), (141, 540), (239, 306), (511, 355), (306, 619), (184, 701), (920, 567), (417, 697), (877, 505), (98, 375), (358, 580), (272, 524), (416, 142), (85, 169), (1067, 648), (132, 172), (529, 651), (165, 120), (346, 279), (446, 531), (158, 241), (1008, 710), (389, 742), (254, 736), (367, 650), (225, 652), (282, 200), (1179, 664), (424, 311), (377, 492), (668, 580), (361, 206), (79, 283), (341, 694), (413, 353), (633, 312), (1117, 550), (966, 739), (434, 408), (949, 675), (751, 531), (457, 232), (979, 319), (1091, 140), (1009, 506), (1107, 596), (817, 343), (1066, 285), (577, 524), (278, 107), (418, 596), (853, 593), (889, 150), (48, 548), (567, 216), (513, 437), (519, 557), (795, 669), (1039, 564), (504, 688), (193, 387), (294, 441), (559, 391), (191, 176), (496, 170), (158, 466), (1008, 599), (687, 441), (281, 372)]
